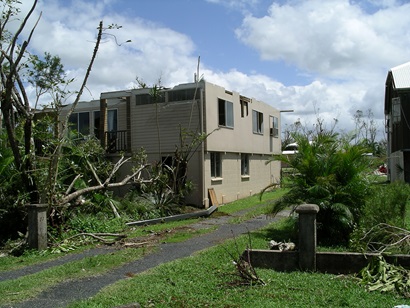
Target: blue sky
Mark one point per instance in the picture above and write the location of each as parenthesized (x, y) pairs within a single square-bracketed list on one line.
[(327, 58)]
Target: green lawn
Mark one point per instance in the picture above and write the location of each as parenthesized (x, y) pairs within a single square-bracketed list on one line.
[(207, 279)]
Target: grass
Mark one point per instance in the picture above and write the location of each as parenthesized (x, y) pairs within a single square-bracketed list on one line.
[(252, 206), (252, 203), (28, 286), (31, 257), (208, 279)]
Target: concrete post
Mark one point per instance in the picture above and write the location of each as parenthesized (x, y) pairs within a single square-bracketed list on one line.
[(37, 226), (307, 236)]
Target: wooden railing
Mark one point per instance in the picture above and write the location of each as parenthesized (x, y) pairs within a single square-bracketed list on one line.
[(116, 141)]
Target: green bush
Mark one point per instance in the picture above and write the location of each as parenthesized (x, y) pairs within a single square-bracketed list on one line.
[(386, 204), (99, 223), (137, 207), (12, 211), (382, 226), (327, 171)]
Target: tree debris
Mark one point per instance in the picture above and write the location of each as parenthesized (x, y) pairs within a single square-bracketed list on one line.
[(244, 267), (282, 246)]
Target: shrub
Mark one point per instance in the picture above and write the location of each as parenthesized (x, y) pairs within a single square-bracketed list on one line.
[(383, 222), (99, 223), (386, 204), (12, 211), (327, 171)]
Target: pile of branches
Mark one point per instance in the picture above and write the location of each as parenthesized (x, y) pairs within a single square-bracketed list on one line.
[(246, 272), (383, 238)]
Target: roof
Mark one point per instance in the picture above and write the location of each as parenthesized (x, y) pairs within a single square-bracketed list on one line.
[(401, 76)]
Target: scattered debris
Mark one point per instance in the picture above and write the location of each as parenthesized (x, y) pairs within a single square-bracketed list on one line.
[(384, 277), (244, 267), (112, 237), (282, 246)]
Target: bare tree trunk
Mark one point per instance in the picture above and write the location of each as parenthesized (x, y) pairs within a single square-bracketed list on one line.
[(53, 168), (9, 101)]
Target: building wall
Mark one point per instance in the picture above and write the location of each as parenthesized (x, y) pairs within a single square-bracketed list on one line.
[(240, 138), (157, 128), (232, 185), (232, 142)]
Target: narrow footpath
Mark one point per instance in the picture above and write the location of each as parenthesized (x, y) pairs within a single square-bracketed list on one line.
[(64, 293)]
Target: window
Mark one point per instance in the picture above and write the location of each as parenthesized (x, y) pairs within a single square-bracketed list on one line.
[(396, 110), (244, 106), (257, 122), (244, 164), (167, 162), (225, 113), (112, 120), (80, 122), (274, 126), (97, 124), (216, 167)]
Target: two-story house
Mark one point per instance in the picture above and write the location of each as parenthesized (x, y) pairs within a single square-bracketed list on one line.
[(397, 114), (230, 163)]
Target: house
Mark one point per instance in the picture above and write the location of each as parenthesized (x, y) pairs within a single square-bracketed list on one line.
[(397, 114), (230, 164)]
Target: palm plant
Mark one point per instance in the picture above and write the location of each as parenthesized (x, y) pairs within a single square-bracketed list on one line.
[(328, 172)]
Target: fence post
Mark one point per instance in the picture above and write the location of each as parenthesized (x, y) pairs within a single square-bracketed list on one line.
[(307, 236), (37, 226)]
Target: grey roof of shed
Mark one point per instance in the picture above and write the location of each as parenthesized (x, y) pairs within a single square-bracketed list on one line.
[(401, 76)]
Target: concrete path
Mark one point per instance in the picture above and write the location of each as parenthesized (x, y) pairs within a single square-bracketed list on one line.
[(62, 294)]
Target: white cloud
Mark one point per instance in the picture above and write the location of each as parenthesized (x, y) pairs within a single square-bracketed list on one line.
[(154, 51), (345, 50), (346, 47), (335, 39)]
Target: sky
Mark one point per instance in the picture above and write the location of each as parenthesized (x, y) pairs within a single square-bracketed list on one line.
[(318, 58)]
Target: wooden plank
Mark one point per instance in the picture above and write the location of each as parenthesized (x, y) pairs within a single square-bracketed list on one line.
[(212, 197)]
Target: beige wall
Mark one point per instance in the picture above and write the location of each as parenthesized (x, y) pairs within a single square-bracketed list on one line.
[(231, 142), (241, 138), (232, 186)]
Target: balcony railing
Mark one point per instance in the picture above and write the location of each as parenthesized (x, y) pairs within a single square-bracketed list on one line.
[(116, 141)]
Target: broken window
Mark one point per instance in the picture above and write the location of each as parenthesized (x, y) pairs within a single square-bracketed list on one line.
[(257, 122), (225, 113)]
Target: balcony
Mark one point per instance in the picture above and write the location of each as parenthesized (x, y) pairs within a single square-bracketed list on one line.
[(116, 141)]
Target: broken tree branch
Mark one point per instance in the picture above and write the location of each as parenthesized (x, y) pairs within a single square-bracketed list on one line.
[(99, 236)]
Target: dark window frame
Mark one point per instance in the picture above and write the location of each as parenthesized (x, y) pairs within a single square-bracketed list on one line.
[(245, 170), (225, 113), (216, 164), (257, 122)]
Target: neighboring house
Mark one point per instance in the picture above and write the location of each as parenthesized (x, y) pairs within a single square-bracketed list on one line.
[(244, 133), (397, 113)]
